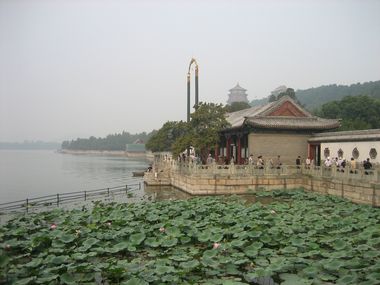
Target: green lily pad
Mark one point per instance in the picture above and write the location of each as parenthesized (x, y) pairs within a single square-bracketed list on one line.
[(67, 238), (190, 264), (293, 279), (25, 281), (67, 279), (137, 239)]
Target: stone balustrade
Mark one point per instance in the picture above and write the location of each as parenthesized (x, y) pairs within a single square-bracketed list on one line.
[(358, 185)]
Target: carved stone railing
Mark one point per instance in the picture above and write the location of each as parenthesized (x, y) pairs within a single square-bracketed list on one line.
[(212, 170)]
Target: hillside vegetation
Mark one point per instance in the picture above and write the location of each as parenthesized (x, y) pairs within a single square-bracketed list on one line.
[(111, 142), (314, 98)]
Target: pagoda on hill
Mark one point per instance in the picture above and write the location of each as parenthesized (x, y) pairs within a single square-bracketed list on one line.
[(237, 94)]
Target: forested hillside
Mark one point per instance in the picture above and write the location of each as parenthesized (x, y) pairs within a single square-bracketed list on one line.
[(111, 142), (315, 97)]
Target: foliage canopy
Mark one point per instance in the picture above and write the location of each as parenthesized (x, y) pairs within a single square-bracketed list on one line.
[(356, 112), (163, 139), (237, 106), (203, 129)]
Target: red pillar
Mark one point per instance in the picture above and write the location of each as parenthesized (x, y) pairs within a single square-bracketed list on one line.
[(216, 153), (238, 150), (228, 146)]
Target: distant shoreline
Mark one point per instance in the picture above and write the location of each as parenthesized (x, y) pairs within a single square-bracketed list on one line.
[(100, 152), (106, 153)]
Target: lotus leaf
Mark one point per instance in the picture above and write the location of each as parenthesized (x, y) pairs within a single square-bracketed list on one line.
[(163, 269), (375, 276), (190, 264), (36, 262), (60, 259), (293, 279), (25, 281), (169, 242), (339, 244), (90, 242), (46, 278), (351, 278), (120, 246), (152, 242), (68, 279), (137, 239), (209, 262), (204, 236)]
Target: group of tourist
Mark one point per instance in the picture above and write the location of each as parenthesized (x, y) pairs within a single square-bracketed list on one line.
[(341, 164)]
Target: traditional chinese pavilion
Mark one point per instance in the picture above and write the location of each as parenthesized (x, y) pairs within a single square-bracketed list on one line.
[(237, 94), (282, 127)]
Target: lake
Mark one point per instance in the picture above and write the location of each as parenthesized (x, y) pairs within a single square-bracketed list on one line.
[(33, 173)]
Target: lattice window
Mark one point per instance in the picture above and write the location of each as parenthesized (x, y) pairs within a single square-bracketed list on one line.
[(326, 152), (355, 153), (340, 153), (373, 153)]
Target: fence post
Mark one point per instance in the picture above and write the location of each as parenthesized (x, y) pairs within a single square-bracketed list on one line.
[(139, 185), (126, 189), (27, 205), (85, 195), (108, 192), (57, 199)]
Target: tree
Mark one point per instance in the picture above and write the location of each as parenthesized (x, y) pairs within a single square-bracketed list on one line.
[(272, 98), (356, 112), (237, 106), (203, 129), (163, 139), (289, 92)]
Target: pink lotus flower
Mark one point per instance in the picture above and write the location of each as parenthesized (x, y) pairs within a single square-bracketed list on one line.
[(272, 211), (53, 226), (216, 245), (7, 247), (109, 224), (162, 230), (77, 232)]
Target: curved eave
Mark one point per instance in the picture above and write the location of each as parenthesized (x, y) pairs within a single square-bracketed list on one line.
[(294, 127)]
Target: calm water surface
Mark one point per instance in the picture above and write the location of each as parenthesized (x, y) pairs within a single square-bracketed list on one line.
[(33, 173)]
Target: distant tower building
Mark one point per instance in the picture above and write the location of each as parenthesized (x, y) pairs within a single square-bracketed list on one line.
[(237, 94)]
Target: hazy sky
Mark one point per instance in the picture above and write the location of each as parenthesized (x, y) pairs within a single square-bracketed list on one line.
[(77, 68)]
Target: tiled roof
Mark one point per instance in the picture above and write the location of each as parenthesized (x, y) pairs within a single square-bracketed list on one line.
[(259, 117), (281, 122), (238, 87), (236, 119), (361, 135)]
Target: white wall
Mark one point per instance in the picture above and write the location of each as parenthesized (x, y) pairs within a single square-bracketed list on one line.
[(347, 147)]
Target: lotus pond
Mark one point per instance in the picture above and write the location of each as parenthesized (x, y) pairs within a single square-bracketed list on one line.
[(300, 238)]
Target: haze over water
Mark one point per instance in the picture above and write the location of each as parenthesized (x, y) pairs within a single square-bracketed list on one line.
[(33, 173)]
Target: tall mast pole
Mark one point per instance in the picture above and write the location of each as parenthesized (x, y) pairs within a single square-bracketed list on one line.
[(196, 87), (188, 97)]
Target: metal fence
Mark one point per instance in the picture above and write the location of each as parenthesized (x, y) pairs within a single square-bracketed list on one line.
[(62, 198)]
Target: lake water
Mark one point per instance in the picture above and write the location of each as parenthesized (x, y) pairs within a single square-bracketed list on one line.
[(33, 173)]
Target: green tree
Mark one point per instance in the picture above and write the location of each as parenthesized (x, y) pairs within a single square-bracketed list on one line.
[(237, 106), (356, 112), (203, 129), (163, 139), (289, 92), (272, 98)]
